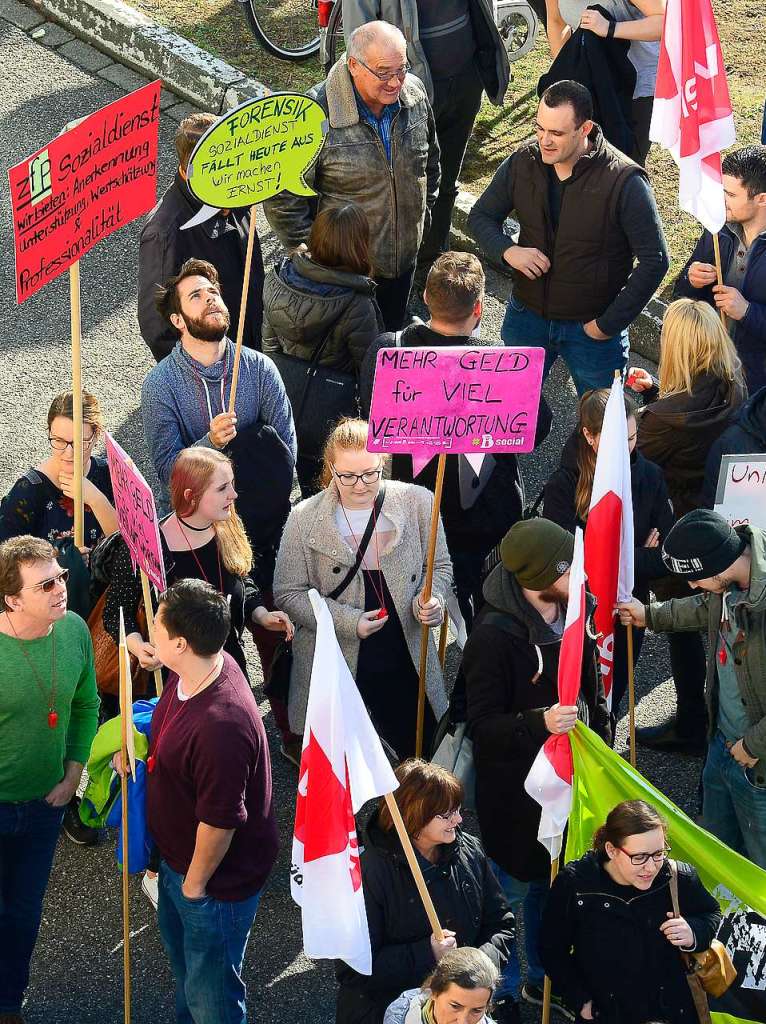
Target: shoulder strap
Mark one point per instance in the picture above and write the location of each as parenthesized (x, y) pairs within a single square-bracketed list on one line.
[(674, 886), (398, 339), (366, 537)]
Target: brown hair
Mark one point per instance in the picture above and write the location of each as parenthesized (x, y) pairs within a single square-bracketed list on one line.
[(454, 285), (63, 405), (590, 416), (630, 818), (349, 435), (18, 551), (425, 790), (340, 239), (166, 297), (193, 470), (188, 134), (693, 341)]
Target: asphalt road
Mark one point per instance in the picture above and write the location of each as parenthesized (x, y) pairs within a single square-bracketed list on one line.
[(77, 969)]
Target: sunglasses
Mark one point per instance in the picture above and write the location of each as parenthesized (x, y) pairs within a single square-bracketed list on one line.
[(47, 585)]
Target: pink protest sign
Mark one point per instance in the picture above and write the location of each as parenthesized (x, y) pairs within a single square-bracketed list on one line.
[(475, 400), (134, 503)]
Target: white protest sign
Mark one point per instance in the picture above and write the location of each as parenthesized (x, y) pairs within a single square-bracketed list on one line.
[(740, 496)]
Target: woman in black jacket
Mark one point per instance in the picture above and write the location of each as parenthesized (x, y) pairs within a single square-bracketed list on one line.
[(610, 942), (469, 904), (567, 498), (323, 296)]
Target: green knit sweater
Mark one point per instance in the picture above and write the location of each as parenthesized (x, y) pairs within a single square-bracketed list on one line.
[(32, 755)]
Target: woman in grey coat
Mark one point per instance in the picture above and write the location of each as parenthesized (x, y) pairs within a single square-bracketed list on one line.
[(378, 615)]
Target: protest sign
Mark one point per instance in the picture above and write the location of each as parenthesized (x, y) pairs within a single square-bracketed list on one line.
[(741, 492), (257, 150), (137, 515), (86, 183), (473, 400)]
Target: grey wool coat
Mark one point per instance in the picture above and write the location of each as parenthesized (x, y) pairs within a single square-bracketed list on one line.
[(313, 554)]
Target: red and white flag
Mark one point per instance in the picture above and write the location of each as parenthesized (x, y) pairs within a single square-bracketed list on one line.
[(692, 114), (609, 530), (342, 767), (550, 777)]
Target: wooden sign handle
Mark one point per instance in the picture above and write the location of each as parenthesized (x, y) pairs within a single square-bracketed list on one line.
[(412, 860), (242, 310), (76, 325), (149, 610)]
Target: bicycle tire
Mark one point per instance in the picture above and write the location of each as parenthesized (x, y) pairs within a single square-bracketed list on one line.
[(276, 48), (334, 35), (512, 16)]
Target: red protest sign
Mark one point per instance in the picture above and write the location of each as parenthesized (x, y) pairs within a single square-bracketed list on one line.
[(82, 186)]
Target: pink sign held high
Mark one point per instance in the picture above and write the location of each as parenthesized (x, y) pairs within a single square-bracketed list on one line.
[(137, 514), (476, 400)]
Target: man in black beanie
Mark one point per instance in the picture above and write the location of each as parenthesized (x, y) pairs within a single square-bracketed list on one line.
[(510, 675), (728, 566)]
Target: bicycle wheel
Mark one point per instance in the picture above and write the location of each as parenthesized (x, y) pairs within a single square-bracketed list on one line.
[(334, 43), (287, 29), (517, 23)]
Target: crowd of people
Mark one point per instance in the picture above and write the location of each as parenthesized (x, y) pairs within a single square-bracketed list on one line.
[(240, 554)]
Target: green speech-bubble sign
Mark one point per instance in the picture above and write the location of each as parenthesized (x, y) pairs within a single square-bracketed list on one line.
[(257, 150)]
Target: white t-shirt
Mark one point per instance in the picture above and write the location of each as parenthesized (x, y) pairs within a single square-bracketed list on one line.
[(352, 522)]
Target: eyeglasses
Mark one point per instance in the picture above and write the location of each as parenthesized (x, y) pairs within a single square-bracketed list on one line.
[(370, 476), (639, 859), (47, 585), (450, 814), (385, 76), (58, 444)]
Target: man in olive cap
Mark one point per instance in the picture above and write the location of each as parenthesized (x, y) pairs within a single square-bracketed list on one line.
[(510, 674), (728, 567)]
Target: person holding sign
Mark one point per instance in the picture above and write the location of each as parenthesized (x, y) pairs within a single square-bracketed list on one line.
[(48, 718), (746, 436), (728, 568), (381, 153), (222, 240), (460, 881), (362, 544)]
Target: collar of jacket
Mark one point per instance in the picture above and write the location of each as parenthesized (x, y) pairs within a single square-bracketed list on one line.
[(587, 872), (323, 532), (756, 594), (213, 372), (306, 267), (342, 111)]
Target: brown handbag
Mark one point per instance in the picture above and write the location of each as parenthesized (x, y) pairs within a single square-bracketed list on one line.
[(709, 972), (105, 653)]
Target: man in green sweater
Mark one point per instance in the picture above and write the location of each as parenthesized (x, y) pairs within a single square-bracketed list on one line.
[(48, 718)]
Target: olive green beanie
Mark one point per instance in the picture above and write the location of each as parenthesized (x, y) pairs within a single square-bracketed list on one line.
[(537, 552)]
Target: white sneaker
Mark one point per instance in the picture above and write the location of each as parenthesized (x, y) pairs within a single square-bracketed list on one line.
[(150, 888)]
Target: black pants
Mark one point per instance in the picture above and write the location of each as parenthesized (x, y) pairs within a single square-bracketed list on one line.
[(393, 295), (456, 104), (642, 119), (308, 470), (687, 662)]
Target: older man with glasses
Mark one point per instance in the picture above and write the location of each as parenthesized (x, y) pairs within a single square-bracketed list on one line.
[(48, 718), (381, 153)]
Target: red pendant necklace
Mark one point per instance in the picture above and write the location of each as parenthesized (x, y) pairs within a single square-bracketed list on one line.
[(379, 594), (151, 761), (203, 574), (50, 699)]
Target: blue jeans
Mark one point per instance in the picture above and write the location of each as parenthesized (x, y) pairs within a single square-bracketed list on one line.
[(733, 806), (532, 896), (591, 363), (29, 832), (205, 941)]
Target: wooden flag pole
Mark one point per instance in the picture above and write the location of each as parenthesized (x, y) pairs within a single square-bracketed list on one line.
[(719, 272), (149, 610), (76, 323), (125, 704), (417, 874), (443, 640), (242, 310), (547, 982), (425, 630), (631, 697)]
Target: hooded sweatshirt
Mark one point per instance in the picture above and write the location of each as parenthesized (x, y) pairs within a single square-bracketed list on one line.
[(746, 436)]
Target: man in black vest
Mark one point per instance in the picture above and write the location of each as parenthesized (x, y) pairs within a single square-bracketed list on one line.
[(591, 251)]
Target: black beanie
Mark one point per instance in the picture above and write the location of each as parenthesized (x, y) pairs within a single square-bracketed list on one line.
[(537, 552), (700, 545)]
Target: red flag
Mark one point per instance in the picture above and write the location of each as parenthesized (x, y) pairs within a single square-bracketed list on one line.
[(550, 777), (692, 114), (609, 530)]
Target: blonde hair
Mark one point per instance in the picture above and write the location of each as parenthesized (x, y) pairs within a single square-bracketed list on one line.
[(693, 342), (350, 435), (193, 470)]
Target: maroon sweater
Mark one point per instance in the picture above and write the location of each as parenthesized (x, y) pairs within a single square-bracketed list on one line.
[(213, 766)]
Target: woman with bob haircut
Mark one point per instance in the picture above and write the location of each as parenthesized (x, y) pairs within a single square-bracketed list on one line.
[(610, 942), (699, 392), (323, 295), (469, 903), (377, 610), (458, 991)]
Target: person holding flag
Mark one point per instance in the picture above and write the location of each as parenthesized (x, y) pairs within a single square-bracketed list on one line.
[(511, 666)]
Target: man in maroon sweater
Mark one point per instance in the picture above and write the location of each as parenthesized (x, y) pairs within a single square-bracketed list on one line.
[(209, 805)]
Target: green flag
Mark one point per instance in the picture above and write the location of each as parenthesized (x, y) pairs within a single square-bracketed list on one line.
[(603, 779)]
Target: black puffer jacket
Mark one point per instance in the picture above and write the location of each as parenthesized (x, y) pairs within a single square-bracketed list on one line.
[(602, 941), (304, 303), (468, 901), (506, 705), (746, 436)]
